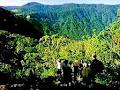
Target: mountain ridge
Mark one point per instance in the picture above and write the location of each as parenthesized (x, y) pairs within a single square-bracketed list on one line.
[(71, 20), (36, 3)]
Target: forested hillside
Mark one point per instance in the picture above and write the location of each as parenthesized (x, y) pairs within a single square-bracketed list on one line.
[(71, 20), (41, 56), (19, 25), (71, 32)]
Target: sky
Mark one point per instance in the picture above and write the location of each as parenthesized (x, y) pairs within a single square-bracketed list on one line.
[(56, 2)]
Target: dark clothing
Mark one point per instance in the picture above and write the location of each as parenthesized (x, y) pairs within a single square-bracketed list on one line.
[(96, 66), (80, 65), (59, 74), (59, 71), (76, 71), (67, 77)]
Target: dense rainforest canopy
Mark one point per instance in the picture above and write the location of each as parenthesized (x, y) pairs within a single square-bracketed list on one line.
[(70, 20), (20, 54)]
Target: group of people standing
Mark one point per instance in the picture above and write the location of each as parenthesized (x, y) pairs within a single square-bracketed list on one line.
[(68, 72)]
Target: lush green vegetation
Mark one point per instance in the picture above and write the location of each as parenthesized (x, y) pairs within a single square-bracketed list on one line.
[(41, 55), (71, 20), (21, 54)]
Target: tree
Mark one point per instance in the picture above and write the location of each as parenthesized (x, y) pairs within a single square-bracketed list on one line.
[(118, 13)]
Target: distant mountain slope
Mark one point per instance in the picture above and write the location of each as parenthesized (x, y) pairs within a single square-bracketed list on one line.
[(18, 25), (71, 20), (10, 7)]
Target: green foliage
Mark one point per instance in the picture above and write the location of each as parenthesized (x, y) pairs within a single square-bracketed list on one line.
[(118, 13), (49, 72), (70, 20), (5, 68), (41, 56)]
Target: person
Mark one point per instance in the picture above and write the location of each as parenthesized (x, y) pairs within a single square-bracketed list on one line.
[(31, 80), (95, 67), (76, 70), (67, 73), (85, 74), (71, 65), (59, 69), (80, 68)]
